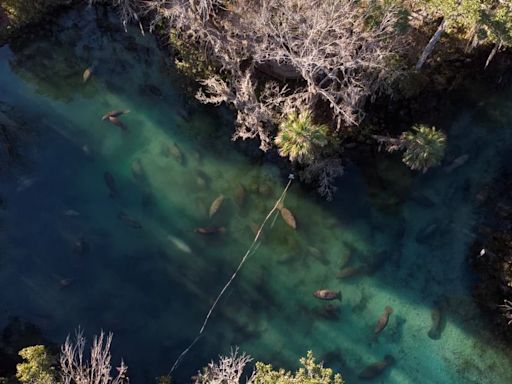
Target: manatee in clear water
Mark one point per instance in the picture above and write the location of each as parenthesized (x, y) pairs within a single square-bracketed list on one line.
[(375, 369), (345, 259), (288, 217), (458, 162), (437, 324), (111, 184), (265, 189), (209, 230), (239, 195), (202, 179), (117, 122), (71, 213), (80, 247), (64, 283), (215, 206), (87, 74), (151, 89), (422, 200), (353, 271), (130, 221), (172, 150), (318, 255), (179, 244), (383, 320), (138, 170), (115, 113), (327, 294), (330, 311), (255, 228), (427, 233)]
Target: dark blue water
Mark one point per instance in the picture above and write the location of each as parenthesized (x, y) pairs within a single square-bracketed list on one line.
[(152, 286)]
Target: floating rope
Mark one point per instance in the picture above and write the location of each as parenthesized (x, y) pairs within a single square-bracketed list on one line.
[(252, 249)]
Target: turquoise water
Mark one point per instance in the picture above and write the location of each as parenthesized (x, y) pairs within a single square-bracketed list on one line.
[(153, 292)]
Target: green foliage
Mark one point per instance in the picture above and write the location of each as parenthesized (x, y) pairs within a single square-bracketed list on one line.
[(37, 367), (458, 13), (300, 138), (21, 12), (499, 23), (188, 58), (424, 147), (163, 380), (310, 373)]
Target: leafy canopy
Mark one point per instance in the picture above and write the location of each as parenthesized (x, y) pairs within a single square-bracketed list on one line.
[(37, 366), (424, 147), (310, 373), (299, 138)]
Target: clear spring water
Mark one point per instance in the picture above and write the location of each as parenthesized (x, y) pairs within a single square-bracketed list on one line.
[(153, 295)]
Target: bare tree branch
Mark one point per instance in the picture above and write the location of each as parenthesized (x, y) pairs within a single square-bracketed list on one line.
[(76, 369)]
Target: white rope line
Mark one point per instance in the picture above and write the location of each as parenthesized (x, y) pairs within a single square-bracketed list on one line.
[(252, 249)]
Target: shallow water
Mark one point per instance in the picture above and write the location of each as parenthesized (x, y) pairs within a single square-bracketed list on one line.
[(153, 293)]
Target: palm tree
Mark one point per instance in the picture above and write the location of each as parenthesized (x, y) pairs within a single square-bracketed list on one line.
[(299, 137), (424, 147)]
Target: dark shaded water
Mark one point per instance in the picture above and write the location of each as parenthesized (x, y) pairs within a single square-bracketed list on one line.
[(152, 286)]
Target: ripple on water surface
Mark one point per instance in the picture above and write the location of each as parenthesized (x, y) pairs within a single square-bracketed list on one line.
[(72, 254)]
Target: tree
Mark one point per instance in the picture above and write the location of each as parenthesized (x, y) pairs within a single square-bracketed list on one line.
[(299, 137), (76, 369), (229, 370), (37, 367), (310, 373), (423, 147)]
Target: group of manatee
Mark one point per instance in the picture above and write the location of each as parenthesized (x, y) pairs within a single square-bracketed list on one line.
[(375, 369), (172, 150)]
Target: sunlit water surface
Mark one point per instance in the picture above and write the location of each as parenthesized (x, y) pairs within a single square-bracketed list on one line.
[(153, 293)]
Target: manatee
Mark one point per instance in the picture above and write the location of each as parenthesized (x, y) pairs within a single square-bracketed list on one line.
[(64, 283), (347, 272), (288, 217), (172, 150), (239, 195), (115, 113), (327, 294), (117, 122), (383, 320), (71, 213), (80, 247), (87, 74), (437, 324), (111, 184), (375, 369), (179, 244), (138, 170), (215, 206), (202, 179), (458, 162), (130, 221), (209, 230), (427, 233)]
